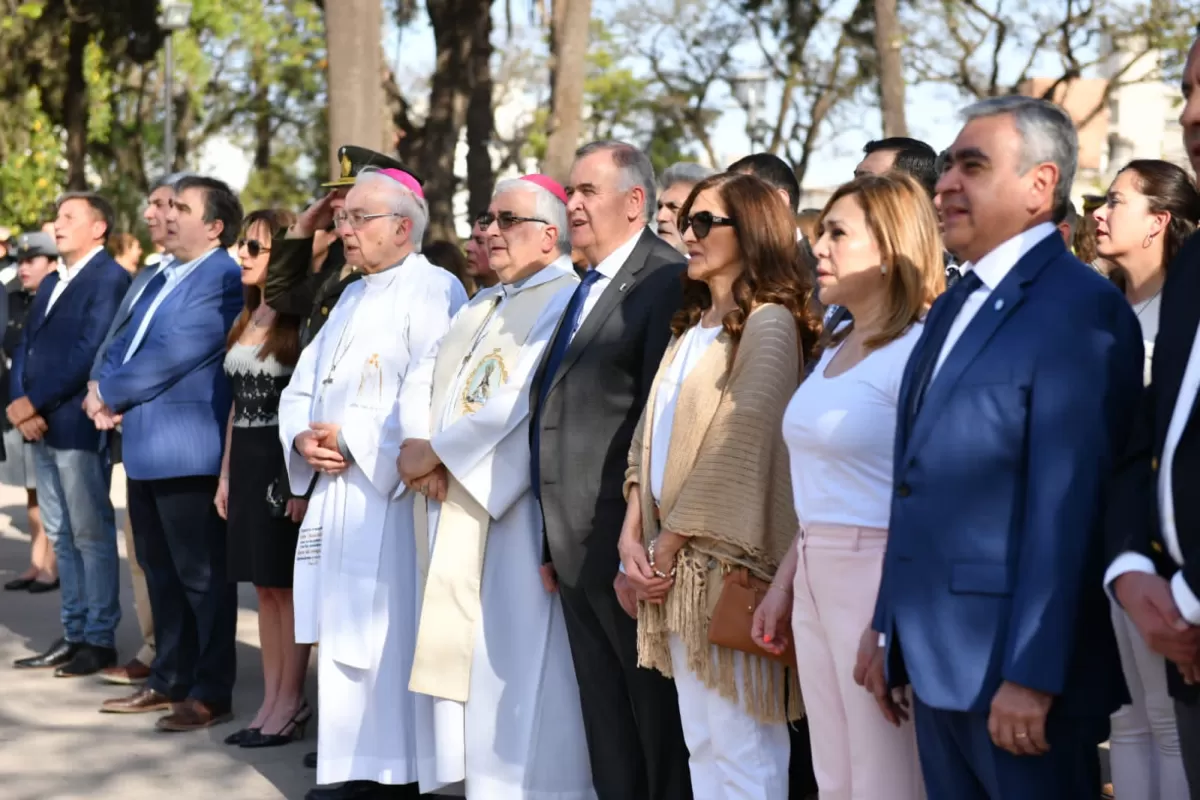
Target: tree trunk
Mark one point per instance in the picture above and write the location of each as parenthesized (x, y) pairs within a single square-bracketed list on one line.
[(568, 70), (262, 116), (480, 119), (891, 68), (453, 23), (75, 107), (352, 31)]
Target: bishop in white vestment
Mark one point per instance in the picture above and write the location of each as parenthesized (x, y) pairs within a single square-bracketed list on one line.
[(359, 389), (499, 704)]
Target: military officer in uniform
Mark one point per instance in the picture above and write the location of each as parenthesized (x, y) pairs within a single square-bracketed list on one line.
[(292, 286)]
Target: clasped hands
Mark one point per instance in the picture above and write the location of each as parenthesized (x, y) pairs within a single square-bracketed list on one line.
[(1148, 601), (26, 419), (641, 580), (319, 447), (422, 470), (97, 411)]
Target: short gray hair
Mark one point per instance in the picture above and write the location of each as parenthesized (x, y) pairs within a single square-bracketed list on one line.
[(401, 201), (683, 172), (634, 166), (546, 206), (169, 180), (1047, 135)]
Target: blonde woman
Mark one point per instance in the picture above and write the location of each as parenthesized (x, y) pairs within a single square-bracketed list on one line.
[(709, 442), (879, 255)]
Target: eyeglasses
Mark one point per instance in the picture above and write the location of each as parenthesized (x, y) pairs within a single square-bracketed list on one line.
[(504, 219), (702, 223), (357, 219), (253, 247)]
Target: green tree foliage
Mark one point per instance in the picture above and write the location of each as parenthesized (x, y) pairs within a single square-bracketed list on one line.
[(31, 168)]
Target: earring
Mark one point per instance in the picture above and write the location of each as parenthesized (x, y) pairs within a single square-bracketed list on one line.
[(1147, 241), (883, 269)]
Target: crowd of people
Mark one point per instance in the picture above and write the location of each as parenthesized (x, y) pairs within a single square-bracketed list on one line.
[(665, 488)]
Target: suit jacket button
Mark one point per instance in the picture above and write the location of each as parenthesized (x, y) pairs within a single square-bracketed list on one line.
[(1154, 464), (1156, 547), (903, 490)]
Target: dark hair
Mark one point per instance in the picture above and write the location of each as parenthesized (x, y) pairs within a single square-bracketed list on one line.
[(1168, 189), (101, 208), (913, 157), (283, 339), (121, 243), (772, 271), (450, 257), (772, 170), (220, 205)]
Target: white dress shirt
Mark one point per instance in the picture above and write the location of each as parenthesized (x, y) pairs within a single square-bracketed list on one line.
[(176, 272), (67, 274), (1185, 598), (607, 269), (991, 269), (695, 344)]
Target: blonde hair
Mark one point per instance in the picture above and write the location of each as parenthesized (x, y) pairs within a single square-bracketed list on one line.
[(904, 225)]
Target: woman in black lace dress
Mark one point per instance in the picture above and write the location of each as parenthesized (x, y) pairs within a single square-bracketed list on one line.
[(263, 349)]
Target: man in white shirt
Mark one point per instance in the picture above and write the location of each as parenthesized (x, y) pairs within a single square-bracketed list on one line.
[(66, 324), (1014, 405), (587, 395)]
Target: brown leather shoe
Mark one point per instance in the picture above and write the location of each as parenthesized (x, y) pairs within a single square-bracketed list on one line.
[(140, 702), (193, 715), (134, 673)]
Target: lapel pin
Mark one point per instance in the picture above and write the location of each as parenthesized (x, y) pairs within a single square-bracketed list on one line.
[(999, 305), (621, 288)]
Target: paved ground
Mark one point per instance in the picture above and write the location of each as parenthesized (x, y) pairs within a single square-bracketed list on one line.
[(54, 745)]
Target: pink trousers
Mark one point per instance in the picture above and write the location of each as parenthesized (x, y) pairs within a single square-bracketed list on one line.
[(857, 754)]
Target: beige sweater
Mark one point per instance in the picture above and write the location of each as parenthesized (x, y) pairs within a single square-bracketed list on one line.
[(727, 487)]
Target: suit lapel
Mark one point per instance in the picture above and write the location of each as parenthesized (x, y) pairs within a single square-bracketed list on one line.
[(626, 278), (38, 314), (68, 291)]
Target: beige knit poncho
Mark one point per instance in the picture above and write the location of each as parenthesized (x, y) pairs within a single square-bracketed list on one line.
[(728, 489)]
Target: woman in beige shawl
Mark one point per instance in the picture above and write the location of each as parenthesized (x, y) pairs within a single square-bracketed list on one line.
[(708, 485)]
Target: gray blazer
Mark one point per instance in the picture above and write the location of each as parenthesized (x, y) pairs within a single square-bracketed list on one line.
[(142, 277), (592, 407)]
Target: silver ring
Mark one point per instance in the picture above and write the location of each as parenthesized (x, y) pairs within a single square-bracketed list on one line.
[(1022, 735)]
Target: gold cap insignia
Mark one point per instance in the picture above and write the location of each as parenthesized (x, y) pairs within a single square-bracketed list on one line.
[(347, 165)]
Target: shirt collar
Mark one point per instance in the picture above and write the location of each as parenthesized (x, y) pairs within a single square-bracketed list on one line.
[(176, 263), (555, 269), (995, 266), (65, 273), (608, 267)]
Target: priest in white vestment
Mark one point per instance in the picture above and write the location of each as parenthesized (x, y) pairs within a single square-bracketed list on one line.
[(360, 388), (498, 711)]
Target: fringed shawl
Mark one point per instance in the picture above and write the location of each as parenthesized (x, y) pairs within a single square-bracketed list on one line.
[(728, 489)]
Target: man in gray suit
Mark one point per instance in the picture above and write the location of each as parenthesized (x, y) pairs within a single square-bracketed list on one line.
[(161, 194), (586, 399)]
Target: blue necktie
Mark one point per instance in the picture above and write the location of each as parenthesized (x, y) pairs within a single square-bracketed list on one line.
[(952, 301), (119, 346), (558, 349)]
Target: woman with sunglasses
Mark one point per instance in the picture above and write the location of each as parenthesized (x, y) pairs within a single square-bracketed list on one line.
[(880, 257), (707, 487), (263, 348), (1150, 209)]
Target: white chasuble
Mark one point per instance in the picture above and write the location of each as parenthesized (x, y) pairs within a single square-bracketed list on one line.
[(499, 707), (370, 371)]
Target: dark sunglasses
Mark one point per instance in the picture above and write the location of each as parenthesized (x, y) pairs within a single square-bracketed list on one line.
[(702, 223), (253, 247), (505, 219)]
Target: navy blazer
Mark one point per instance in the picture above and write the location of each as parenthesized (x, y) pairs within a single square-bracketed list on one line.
[(52, 363), (995, 551), (172, 391)]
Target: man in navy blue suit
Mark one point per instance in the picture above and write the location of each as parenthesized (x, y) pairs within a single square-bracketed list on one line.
[(1017, 398), (68, 320), (163, 380)]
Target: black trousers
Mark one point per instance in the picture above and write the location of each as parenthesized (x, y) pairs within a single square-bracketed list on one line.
[(630, 715), (180, 544), (802, 781), (1187, 720)]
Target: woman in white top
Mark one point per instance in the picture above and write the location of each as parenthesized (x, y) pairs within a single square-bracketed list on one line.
[(709, 498), (880, 257), (1150, 209)]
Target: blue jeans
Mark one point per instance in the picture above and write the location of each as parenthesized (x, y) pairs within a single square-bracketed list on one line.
[(73, 491)]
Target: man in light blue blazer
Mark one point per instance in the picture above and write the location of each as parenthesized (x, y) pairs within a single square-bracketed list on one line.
[(1014, 404), (49, 376), (163, 380)]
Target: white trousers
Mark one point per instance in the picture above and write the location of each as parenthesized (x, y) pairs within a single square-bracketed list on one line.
[(733, 755), (856, 753), (1144, 746)]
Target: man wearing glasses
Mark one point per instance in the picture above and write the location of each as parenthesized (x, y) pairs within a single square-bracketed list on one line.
[(357, 391)]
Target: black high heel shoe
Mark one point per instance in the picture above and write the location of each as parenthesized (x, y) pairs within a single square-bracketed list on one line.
[(238, 737), (292, 731)]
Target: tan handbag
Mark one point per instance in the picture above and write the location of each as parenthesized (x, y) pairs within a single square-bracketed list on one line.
[(733, 617)]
